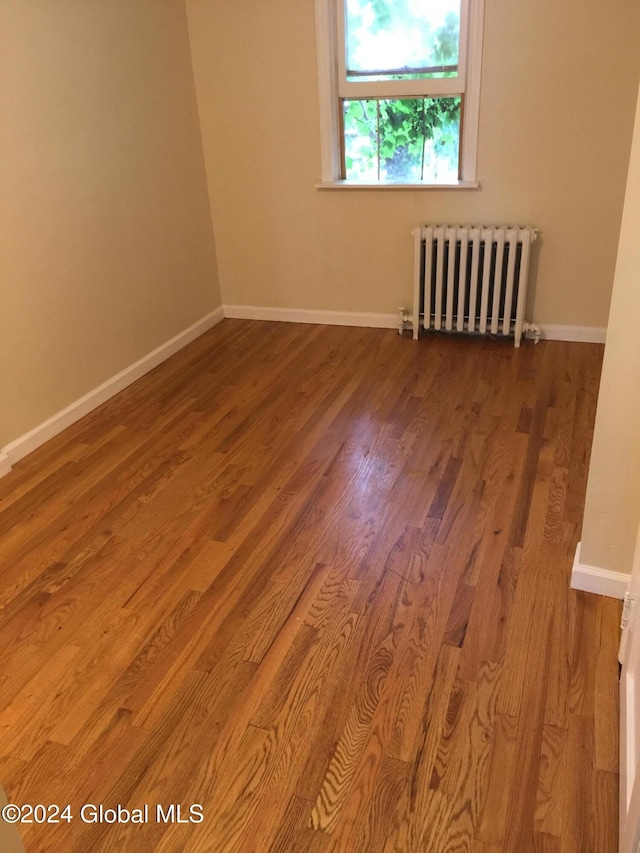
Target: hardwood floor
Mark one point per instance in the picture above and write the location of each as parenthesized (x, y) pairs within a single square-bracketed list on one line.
[(315, 580)]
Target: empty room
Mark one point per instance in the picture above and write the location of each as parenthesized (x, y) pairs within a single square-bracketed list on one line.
[(319, 418)]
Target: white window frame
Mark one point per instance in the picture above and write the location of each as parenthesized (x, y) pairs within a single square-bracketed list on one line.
[(333, 86)]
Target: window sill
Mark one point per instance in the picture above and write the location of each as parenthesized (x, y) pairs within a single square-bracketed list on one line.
[(388, 185)]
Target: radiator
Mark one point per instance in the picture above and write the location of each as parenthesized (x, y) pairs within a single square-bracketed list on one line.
[(472, 279)]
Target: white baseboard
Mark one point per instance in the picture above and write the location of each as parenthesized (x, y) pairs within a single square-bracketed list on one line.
[(19, 448), (5, 464), (585, 334), (303, 315), (597, 580)]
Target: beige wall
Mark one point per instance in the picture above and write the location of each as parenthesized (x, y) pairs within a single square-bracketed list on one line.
[(612, 510), (106, 247), (558, 94)]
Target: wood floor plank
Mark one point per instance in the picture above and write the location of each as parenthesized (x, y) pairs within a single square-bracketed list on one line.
[(528, 747), (492, 828), (294, 821), (607, 698), (551, 781), (316, 580), (373, 812), (583, 652), (542, 843), (577, 811), (423, 613), (374, 662), (415, 801)]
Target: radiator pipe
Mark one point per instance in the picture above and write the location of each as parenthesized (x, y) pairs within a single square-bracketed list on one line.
[(535, 330)]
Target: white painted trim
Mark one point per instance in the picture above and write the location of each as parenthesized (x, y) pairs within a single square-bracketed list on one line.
[(597, 580), (327, 87), (33, 439), (5, 464), (584, 334), (390, 185), (471, 117), (587, 334), (303, 315)]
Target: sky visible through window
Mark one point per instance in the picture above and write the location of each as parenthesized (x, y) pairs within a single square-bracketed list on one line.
[(393, 34)]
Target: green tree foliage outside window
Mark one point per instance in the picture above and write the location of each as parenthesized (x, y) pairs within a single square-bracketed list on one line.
[(402, 139), (410, 139)]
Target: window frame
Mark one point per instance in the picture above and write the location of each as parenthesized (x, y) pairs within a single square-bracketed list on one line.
[(334, 87)]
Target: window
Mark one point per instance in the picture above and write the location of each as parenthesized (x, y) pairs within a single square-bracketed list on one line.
[(399, 91)]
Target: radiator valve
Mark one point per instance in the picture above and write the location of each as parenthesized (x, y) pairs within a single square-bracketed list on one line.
[(403, 322), (532, 329)]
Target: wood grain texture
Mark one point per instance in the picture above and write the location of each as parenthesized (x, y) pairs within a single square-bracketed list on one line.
[(316, 580)]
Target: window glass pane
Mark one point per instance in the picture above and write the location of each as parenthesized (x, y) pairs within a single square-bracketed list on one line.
[(401, 39), (361, 140), (402, 139)]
